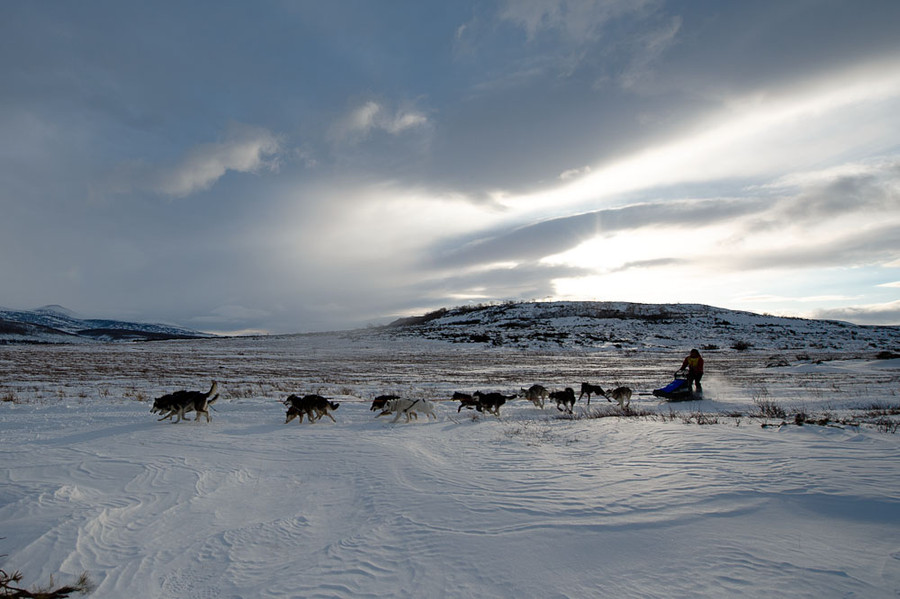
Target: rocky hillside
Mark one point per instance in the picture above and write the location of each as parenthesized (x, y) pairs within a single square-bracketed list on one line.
[(597, 325)]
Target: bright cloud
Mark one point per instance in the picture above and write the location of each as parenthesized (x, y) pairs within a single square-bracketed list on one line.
[(247, 150), (757, 138), (372, 116)]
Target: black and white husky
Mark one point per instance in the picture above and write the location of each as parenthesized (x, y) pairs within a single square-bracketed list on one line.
[(180, 403)]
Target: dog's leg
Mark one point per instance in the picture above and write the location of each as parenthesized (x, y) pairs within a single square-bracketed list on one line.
[(330, 416)]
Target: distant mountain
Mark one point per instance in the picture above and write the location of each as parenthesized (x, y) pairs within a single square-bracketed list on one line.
[(595, 325), (56, 324)]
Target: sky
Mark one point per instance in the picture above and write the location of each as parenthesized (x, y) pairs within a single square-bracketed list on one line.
[(287, 166)]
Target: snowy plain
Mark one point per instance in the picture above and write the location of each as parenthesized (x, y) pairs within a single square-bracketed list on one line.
[(693, 499)]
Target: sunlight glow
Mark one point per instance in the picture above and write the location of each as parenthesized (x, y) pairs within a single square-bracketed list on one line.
[(807, 125)]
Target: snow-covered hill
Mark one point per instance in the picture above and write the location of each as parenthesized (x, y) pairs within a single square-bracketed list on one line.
[(586, 325), (527, 325), (56, 324)]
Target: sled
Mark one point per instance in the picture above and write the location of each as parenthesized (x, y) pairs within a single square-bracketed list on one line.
[(678, 389)]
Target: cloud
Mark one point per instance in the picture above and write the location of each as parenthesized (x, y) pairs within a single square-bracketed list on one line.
[(570, 38), (644, 264), (850, 188), (753, 140), (843, 217), (574, 173), (648, 50), (245, 149), (554, 236), (781, 298), (371, 117), (872, 314), (520, 281), (575, 20), (868, 247)]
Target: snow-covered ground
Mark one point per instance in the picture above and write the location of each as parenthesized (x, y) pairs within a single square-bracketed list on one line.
[(527, 505)]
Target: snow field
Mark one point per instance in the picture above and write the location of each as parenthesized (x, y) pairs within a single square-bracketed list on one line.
[(528, 505)]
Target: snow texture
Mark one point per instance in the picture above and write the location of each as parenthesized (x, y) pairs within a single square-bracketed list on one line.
[(530, 504)]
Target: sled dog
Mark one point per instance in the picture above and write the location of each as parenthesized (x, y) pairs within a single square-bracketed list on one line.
[(621, 395), (536, 394), (588, 389), (378, 402), (180, 403), (314, 406), (465, 401), (408, 407), (490, 402), (565, 400)]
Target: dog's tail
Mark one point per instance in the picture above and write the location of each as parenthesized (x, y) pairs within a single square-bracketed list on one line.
[(213, 390), (213, 400)]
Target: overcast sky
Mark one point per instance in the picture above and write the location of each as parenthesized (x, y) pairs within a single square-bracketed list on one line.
[(286, 166)]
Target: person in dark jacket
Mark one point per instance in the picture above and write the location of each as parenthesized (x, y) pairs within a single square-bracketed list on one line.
[(694, 364)]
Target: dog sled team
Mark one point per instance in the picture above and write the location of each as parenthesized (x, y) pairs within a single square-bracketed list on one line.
[(315, 407)]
